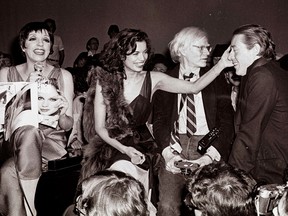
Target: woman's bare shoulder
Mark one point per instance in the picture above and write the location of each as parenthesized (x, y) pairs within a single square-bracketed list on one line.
[(3, 74), (66, 73)]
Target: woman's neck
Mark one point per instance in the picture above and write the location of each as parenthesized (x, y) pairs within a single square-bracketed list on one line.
[(28, 67), (131, 75)]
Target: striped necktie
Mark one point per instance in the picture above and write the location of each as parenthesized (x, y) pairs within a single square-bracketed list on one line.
[(191, 115)]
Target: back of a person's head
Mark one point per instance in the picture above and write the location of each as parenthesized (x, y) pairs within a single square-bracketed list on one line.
[(184, 39), (219, 189), (51, 23), (113, 30), (110, 193)]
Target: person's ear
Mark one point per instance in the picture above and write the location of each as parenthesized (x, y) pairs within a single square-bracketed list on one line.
[(22, 48), (123, 58), (182, 50), (256, 49)]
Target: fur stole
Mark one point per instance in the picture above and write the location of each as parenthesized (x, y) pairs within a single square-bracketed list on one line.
[(119, 122), (119, 119), (119, 116)]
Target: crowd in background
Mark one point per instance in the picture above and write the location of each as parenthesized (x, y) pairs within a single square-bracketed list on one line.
[(122, 107)]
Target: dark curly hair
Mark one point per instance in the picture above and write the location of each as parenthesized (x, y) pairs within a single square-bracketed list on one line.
[(123, 44), (256, 34)]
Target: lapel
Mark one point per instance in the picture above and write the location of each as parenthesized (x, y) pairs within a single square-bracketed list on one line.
[(241, 102), (174, 97), (209, 101)]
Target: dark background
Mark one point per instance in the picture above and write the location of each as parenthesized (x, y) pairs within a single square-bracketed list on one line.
[(78, 20)]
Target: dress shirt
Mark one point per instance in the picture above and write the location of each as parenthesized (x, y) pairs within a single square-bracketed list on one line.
[(201, 125)]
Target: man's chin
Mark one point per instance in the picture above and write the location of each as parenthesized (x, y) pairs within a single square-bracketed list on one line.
[(240, 72)]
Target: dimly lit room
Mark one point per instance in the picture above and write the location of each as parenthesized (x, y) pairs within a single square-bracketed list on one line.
[(113, 110)]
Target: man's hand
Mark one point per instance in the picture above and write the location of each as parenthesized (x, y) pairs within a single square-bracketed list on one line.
[(202, 161), (170, 164)]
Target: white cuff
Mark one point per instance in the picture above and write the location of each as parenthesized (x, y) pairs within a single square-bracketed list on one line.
[(213, 153), (167, 153), (176, 147)]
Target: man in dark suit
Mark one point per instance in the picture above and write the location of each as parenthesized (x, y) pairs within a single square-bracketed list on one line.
[(213, 108), (261, 122)]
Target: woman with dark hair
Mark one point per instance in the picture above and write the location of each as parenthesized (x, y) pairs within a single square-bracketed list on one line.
[(26, 142), (121, 102)]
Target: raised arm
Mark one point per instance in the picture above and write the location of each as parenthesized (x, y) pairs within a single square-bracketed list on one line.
[(68, 90), (166, 83), (100, 119)]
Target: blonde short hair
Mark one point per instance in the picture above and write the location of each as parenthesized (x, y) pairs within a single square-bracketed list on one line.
[(185, 38)]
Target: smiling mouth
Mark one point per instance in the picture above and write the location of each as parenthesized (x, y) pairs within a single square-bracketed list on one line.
[(140, 65), (39, 52)]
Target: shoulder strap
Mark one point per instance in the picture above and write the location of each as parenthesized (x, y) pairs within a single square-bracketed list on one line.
[(13, 75), (147, 85)]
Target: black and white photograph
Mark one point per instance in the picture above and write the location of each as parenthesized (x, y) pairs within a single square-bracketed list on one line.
[(144, 108)]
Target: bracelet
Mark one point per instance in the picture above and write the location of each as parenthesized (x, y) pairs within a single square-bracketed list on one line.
[(65, 122), (209, 156)]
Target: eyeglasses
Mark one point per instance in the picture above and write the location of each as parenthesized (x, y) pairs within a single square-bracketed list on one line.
[(78, 212), (202, 48), (78, 206)]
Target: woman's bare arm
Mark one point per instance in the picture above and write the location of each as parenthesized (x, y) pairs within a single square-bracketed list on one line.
[(68, 90), (100, 118), (170, 84)]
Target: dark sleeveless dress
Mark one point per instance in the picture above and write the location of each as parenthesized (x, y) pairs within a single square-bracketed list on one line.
[(141, 139), (98, 155)]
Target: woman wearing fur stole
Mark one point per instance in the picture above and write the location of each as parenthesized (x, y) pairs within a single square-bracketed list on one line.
[(120, 104)]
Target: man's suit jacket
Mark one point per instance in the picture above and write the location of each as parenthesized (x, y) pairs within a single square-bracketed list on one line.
[(218, 110), (261, 122)]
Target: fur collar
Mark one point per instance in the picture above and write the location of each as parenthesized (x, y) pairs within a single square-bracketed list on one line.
[(119, 116)]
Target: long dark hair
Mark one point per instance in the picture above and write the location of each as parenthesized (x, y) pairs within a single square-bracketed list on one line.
[(123, 44)]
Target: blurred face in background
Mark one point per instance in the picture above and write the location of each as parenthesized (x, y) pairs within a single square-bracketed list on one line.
[(93, 45), (160, 67)]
